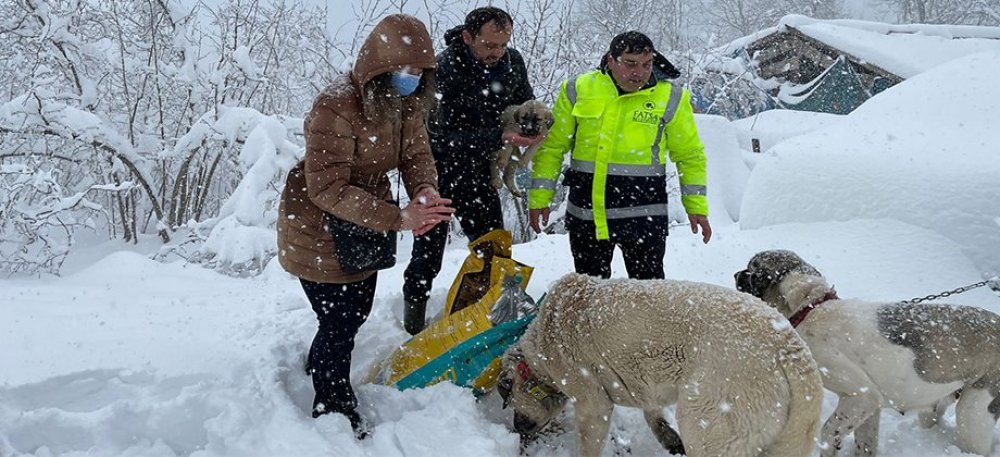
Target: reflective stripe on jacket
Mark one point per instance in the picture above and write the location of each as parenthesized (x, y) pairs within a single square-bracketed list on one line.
[(626, 137)]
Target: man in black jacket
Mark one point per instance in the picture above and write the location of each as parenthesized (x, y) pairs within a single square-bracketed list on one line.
[(478, 77)]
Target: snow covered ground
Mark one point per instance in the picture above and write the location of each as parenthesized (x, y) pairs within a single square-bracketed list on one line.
[(923, 152), (133, 357), (125, 356)]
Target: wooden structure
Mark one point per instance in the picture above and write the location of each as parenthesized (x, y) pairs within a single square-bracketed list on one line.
[(793, 56), (835, 66)]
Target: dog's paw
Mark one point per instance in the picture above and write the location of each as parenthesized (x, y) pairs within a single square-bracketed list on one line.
[(512, 187)]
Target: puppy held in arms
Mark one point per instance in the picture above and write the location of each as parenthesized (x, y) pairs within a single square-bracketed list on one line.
[(743, 384), (529, 119), (908, 357)]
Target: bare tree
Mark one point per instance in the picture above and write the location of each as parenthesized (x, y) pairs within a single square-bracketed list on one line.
[(970, 12), (160, 117), (664, 21), (38, 218), (548, 38), (151, 99), (731, 19), (440, 15)]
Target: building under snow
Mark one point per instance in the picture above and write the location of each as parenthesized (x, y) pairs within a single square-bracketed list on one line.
[(833, 66)]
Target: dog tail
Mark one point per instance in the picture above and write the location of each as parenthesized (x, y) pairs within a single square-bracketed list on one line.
[(798, 437)]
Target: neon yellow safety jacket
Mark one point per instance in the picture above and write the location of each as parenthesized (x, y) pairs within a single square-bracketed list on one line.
[(619, 145)]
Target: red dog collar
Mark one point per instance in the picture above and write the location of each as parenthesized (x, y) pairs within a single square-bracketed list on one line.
[(800, 316)]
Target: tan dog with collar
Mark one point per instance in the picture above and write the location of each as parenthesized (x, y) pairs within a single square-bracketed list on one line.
[(743, 385), (908, 357)]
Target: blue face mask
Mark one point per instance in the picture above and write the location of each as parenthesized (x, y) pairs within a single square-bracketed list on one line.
[(405, 83)]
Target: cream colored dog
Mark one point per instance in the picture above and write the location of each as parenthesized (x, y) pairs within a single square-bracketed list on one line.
[(743, 381), (529, 119), (908, 357)]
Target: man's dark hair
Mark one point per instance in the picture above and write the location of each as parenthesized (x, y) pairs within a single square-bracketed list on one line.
[(477, 18), (634, 42), (631, 42)]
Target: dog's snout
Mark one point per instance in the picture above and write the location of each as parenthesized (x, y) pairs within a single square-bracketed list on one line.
[(530, 126), (523, 425), (747, 283), (742, 280)]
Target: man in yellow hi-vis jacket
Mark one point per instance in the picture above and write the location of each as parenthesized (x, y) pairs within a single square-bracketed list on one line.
[(621, 123)]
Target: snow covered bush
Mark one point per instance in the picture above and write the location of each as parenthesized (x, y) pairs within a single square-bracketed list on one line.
[(242, 238), (38, 218), (136, 93)]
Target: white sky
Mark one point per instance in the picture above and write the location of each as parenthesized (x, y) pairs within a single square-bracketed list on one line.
[(867, 10)]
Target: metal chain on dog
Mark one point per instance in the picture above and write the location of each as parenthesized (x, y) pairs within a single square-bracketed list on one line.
[(994, 284)]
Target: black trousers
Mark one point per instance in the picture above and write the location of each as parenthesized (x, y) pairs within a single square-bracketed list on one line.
[(340, 310), (643, 255), (477, 207)]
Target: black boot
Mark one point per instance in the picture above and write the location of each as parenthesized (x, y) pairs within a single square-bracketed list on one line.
[(413, 316), (358, 424)]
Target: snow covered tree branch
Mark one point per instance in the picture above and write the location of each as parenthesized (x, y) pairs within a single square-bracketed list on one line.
[(970, 12), (38, 218), (136, 95)]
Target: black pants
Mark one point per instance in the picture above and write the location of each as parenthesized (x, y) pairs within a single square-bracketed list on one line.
[(477, 207), (643, 255), (340, 310)]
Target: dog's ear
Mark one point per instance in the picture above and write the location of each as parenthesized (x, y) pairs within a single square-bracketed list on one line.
[(505, 380), (505, 384)]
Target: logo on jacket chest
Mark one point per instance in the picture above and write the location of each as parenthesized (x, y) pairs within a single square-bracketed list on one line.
[(645, 117), (646, 114)]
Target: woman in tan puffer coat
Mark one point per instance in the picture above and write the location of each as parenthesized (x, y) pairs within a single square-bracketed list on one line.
[(365, 124)]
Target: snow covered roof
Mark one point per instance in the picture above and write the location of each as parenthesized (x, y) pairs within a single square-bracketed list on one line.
[(902, 49)]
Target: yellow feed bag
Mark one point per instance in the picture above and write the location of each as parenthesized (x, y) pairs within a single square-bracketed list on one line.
[(463, 346)]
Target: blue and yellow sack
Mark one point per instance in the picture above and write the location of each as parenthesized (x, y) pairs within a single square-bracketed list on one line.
[(486, 311)]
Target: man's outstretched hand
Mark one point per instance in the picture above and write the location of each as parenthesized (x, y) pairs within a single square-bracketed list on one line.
[(698, 221)]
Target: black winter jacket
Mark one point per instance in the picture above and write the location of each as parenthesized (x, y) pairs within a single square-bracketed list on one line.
[(465, 128)]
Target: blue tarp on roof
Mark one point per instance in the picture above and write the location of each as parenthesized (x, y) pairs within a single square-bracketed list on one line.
[(838, 90)]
